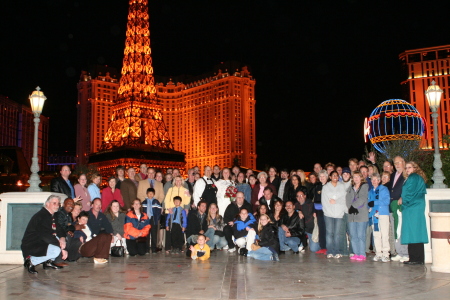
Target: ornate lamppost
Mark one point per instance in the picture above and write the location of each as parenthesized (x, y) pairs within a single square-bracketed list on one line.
[(434, 94), (37, 100)]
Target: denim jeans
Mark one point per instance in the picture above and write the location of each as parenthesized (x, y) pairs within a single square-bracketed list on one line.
[(358, 237), (313, 246), (52, 252), (215, 240), (334, 235), (287, 243), (343, 242), (262, 253)]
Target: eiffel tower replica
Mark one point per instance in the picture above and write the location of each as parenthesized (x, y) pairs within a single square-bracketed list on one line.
[(137, 133)]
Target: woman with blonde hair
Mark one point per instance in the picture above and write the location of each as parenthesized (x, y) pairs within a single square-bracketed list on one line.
[(215, 228), (93, 188), (358, 215), (414, 228), (177, 190), (268, 245)]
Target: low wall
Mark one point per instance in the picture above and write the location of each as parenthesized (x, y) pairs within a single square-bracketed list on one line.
[(16, 210)]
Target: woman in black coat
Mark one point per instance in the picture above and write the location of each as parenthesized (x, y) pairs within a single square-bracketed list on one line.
[(290, 192), (268, 240)]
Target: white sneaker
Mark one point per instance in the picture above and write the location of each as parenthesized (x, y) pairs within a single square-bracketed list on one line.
[(330, 255), (225, 248), (396, 258), (300, 249), (232, 250), (385, 259), (377, 258), (404, 258), (338, 256), (100, 261)]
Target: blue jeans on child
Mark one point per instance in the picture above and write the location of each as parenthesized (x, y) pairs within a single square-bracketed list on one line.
[(287, 243), (262, 253)]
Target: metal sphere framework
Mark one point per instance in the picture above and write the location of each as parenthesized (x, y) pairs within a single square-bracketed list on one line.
[(394, 120)]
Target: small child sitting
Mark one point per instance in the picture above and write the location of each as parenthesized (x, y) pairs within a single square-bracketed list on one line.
[(200, 250)]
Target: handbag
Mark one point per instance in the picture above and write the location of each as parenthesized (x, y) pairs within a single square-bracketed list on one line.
[(118, 251), (315, 233)]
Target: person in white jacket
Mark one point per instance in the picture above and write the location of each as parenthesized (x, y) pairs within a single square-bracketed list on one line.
[(334, 207)]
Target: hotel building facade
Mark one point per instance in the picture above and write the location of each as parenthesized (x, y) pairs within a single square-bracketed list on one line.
[(419, 68), (211, 119)]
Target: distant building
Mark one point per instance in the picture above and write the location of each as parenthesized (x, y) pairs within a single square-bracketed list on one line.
[(419, 68), (17, 129), (97, 92), (210, 118), (57, 160)]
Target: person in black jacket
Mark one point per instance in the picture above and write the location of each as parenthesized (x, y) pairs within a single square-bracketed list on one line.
[(62, 183), (268, 198), (64, 219), (306, 212), (291, 229), (268, 240), (230, 215), (196, 223), (291, 190), (40, 242)]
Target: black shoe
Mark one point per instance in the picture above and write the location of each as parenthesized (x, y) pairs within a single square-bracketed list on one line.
[(413, 262), (31, 269), (26, 262), (282, 252), (295, 252), (243, 252), (50, 265)]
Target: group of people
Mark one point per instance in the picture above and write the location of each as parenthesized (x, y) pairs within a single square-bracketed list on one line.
[(337, 211)]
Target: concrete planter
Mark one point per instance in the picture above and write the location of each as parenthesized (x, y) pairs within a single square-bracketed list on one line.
[(440, 240)]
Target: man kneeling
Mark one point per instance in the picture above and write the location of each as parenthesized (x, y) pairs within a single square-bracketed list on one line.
[(44, 238)]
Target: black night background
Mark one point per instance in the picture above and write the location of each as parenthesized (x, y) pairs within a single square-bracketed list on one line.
[(321, 67)]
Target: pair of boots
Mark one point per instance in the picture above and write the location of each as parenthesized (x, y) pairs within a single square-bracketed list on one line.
[(49, 264)]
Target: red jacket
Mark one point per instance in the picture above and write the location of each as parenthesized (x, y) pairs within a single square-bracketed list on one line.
[(108, 197)]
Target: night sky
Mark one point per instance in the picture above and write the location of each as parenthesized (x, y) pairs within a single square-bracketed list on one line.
[(321, 67)]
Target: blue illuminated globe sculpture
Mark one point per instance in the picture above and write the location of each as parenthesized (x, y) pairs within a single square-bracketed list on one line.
[(394, 120)]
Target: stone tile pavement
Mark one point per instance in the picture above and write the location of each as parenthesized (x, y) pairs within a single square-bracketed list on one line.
[(226, 276)]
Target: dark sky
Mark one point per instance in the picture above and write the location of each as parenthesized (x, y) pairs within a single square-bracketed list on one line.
[(320, 66)]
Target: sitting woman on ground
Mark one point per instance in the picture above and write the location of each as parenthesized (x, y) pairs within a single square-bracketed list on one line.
[(278, 212), (116, 217), (136, 229), (263, 209), (215, 228), (268, 241), (244, 231), (98, 246)]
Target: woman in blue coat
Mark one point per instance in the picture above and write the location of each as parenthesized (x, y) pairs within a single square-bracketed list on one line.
[(414, 228)]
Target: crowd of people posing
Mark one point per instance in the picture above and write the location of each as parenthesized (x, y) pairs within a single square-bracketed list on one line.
[(337, 211)]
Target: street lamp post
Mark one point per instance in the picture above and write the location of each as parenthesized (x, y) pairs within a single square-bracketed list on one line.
[(37, 100), (434, 94)]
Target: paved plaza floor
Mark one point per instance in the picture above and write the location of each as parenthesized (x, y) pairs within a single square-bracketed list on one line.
[(226, 276)]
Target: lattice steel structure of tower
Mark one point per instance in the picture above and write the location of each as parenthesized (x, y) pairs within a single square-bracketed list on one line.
[(136, 126), (136, 118)]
